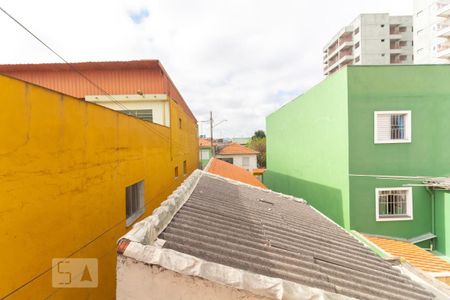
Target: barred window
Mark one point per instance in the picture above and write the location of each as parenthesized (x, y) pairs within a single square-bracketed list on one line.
[(392, 127), (144, 114), (394, 204)]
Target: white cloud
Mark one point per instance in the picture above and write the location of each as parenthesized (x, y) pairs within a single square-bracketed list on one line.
[(239, 58)]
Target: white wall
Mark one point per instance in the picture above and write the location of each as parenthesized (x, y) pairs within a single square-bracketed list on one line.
[(159, 104), (238, 160), (138, 281)]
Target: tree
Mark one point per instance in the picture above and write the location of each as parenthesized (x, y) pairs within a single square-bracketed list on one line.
[(259, 134), (258, 143)]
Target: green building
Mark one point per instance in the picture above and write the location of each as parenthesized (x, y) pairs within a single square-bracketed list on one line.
[(361, 145)]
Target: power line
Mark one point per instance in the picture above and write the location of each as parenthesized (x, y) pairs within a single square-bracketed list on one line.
[(76, 70)]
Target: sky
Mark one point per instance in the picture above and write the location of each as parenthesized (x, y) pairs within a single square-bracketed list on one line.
[(240, 59)]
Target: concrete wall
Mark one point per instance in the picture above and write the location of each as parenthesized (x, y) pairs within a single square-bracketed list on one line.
[(238, 160), (307, 148), (136, 280), (423, 91), (442, 221), (64, 167)]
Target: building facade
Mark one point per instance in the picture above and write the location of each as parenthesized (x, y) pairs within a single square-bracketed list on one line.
[(205, 151), (371, 39), (76, 176), (431, 31), (359, 146), (239, 155)]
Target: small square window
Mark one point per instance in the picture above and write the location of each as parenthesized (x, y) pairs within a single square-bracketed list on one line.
[(176, 172), (357, 45), (184, 168), (382, 25), (392, 127), (134, 203), (356, 31), (382, 40), (383, 54), (394, 204)]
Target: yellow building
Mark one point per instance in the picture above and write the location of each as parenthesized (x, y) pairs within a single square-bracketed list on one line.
[(74, 177)]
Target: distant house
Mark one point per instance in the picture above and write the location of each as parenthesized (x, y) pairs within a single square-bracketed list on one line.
[(239, 155), (241, 141), (215, 238), (227, 170), (369, 147), (204, 151)]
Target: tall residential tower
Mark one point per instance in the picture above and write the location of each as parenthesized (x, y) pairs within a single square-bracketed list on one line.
[(371, 39), (432, 31)]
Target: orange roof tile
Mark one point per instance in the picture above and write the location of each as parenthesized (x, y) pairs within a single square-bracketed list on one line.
[(114, 77), (413, 254), (204, 142), (234, 148), (222, 168), (259, 171)]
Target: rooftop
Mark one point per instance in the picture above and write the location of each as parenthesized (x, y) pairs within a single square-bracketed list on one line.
[(227, 170), (204, 142), (259, 240), (114, 77), (413, 254), (234, 149)]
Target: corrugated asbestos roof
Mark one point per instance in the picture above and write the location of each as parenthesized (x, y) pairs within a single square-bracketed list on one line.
[(273, 235), (413, 254), (115, 77), (234, 148), (227, 170)]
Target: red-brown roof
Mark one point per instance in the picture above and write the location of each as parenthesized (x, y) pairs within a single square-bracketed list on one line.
[(115, 77), (259, 171), (413, 254), (222, 168), (234, 148), (204, 142)]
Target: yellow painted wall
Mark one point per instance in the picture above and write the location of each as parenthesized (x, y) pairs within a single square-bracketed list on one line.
[(64, 167)]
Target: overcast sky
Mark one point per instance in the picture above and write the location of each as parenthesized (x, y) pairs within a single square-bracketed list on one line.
[(242, 59)]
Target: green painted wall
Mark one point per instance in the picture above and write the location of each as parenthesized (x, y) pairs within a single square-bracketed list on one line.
[(442, 221), (425, 90), (307, 148)]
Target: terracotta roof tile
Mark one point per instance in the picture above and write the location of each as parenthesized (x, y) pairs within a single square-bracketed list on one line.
[(204, 142), (413, 254), (222, 168), (234, 148)]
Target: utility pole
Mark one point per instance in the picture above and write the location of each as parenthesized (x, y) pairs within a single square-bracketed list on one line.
[(211, 129)]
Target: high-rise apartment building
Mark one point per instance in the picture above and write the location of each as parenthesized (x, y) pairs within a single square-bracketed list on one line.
[(432, 31), (371, 39)]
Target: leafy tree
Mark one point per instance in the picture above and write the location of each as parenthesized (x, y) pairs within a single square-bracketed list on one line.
[(258, 143), (259, 134)]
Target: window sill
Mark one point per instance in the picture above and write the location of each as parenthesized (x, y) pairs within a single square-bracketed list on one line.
[(399, 218), (134, 217), (393, 142)]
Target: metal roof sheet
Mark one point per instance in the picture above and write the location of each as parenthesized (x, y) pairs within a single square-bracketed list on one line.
[(264, 232), (115, 77)]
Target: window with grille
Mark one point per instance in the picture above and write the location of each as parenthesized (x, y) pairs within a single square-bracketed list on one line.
[(394, 204), (392, 127), (134, 202), (144, 114), (245, 161)]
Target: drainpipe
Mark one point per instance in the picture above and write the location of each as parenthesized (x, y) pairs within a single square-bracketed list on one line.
[(431, 192)]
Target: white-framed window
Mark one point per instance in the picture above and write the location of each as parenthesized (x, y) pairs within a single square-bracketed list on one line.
[(135, 204), (245, 161), (392, 127), (394, 204)]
